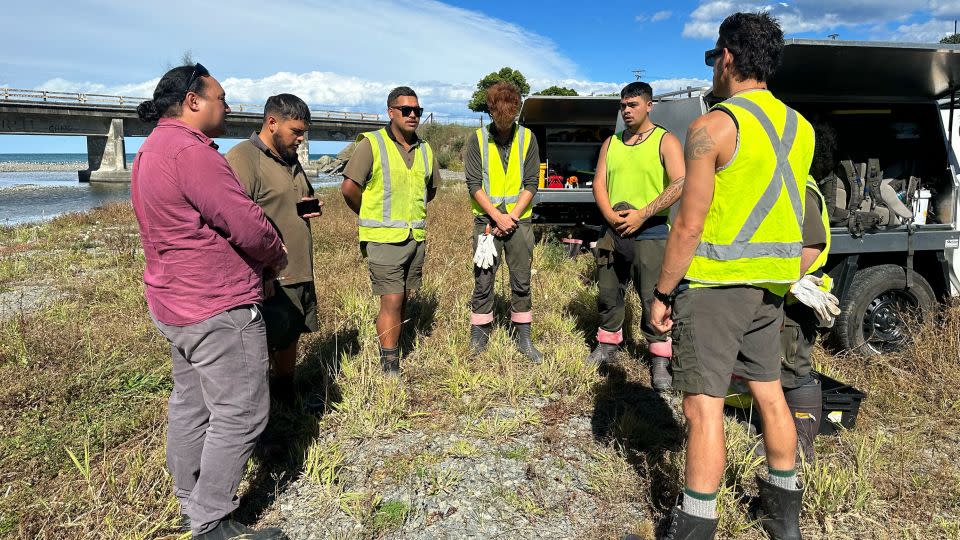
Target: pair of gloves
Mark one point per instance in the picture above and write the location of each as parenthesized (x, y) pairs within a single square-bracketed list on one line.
[(814, 292), (486, 252)]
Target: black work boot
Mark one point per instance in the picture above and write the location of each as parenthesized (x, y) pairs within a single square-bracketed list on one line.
[(184, 523), (806, 406), (660, 374), (603, 354), (780, 510), (683, 526), (480, 337), (522, 337), (228, 528), (390, 361)]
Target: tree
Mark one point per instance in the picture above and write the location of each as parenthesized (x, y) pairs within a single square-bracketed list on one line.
[(557, 91), (952, 39), (478, 102)]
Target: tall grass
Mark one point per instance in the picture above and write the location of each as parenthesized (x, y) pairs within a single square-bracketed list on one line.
[(86, 376)]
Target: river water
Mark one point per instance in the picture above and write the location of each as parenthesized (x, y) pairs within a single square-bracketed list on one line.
[(42, 194)]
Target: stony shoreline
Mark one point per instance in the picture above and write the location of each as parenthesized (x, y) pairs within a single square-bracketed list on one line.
[(41, 166)]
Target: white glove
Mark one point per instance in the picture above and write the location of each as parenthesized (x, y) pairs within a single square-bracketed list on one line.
[(808, 292), (486, 251)]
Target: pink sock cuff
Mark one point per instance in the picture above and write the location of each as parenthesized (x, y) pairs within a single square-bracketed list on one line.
[(662, 348), (612, 338), (480, 319), (524, 317)]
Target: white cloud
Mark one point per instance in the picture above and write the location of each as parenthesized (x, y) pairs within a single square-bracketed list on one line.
[(661, 16), (344, 92), (931, 31), (810, 15), (656, 17)]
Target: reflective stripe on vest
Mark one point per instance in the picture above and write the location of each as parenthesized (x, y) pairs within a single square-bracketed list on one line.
[(742, 247), (388, 196), (485, 152), (821, 259)]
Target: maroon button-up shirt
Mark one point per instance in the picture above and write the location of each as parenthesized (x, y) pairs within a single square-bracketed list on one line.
[(205, 242)]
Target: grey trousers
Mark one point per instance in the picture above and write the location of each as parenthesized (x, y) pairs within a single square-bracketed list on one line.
[(218, 408), (518, 249)]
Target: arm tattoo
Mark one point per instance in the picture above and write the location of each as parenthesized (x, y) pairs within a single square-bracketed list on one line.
[(699, 144), (665, 199)]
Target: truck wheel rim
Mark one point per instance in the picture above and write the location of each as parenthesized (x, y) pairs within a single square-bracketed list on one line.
[(883, 326)]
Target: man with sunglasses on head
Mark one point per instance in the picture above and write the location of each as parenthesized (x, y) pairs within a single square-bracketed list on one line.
[(271, 174), (640, 173), (737, 242), (502, 169), (207, 248), (388, 181)]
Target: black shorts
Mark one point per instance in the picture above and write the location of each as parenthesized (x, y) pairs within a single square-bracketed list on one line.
[(291, 311)]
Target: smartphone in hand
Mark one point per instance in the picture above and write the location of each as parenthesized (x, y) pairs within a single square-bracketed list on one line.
[(309, 206)]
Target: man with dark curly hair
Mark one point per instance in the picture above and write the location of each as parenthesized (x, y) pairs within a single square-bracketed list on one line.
[(732, 253), (502, 168)]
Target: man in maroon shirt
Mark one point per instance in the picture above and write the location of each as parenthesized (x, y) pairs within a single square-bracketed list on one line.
[(207, 248)]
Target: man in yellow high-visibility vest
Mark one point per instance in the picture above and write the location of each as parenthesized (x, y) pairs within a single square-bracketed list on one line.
[(502, 168), (388, 181), (737, 242)]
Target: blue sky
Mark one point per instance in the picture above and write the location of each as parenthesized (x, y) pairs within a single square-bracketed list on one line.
[(340, 54)]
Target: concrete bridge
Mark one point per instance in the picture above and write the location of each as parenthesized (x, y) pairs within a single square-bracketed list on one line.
[(104, 120)]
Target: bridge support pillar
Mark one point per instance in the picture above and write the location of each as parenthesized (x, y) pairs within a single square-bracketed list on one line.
[(106, 156), (303, 155)]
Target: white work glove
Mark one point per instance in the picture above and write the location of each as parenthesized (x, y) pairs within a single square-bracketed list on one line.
[(486, 251), (808, 292)]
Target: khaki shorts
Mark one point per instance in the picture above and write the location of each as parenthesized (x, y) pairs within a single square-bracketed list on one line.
[(394, 268), (721, 331), (291, 311)]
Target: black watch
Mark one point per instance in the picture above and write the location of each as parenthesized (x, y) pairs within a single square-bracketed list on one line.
[(667, 299)]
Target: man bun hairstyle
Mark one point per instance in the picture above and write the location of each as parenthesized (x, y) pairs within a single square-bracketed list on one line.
[(756, 42), (169, 94), (503, 96), (637, 89), (400, 91), (286, 107)]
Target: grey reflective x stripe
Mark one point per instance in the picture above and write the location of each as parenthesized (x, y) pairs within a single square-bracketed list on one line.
[(385, 174), (742, 247), (387, 195), (485, 152)]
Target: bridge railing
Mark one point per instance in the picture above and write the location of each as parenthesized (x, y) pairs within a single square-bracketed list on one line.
[(18, 95)]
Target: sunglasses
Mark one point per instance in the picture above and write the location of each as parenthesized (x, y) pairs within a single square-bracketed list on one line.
[(198, 71), (710, 57), (406, 110)]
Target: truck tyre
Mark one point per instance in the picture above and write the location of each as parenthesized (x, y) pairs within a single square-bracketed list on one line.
[(874, 312)]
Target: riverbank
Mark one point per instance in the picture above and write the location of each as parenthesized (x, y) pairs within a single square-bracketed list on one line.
[(491, 447), (36, 166)]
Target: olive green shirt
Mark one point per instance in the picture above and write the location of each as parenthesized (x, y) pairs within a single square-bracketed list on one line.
[(360, 166), (813, 232), (277, 187)]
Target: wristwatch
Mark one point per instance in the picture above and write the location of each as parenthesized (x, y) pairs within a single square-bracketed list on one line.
[(667, 299)]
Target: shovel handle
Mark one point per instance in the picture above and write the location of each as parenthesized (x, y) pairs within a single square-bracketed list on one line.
[(487, 231)]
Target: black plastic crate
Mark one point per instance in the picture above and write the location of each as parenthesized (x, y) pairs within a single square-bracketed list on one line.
[(841, 404)]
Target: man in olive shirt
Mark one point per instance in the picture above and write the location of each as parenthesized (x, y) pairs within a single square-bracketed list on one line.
[(389, 193), (273, 177)]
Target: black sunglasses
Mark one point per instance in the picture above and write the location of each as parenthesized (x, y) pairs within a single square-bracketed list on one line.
[(710, 57), (405, 111), (198, 71)]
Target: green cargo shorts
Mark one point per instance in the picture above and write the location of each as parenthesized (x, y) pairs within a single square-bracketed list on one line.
[(721, 331), (291, 311), (394, 268), (797, 339)]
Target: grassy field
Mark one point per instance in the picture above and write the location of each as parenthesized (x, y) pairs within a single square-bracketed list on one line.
[(85, 378)]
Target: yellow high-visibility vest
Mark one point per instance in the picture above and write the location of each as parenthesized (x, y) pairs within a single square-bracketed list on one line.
[(503, 186), (394, 202), (752, 232), (635, 173)]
